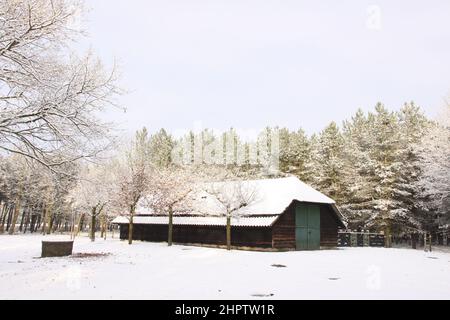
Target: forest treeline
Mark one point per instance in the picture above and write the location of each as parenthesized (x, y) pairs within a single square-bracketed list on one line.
[(387, 170), (63, 168)]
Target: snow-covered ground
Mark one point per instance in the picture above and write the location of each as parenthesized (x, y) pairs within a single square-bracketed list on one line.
[(155, 271)]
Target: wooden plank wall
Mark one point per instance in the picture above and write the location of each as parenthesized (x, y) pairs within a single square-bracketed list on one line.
[(328, 227), (211, 235), (251, 237), (283, 231), (280, 236)]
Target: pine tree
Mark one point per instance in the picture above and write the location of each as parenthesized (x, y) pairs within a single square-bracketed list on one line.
[(357, 206), (268, 148), (433, 202), (385, 168), (412, 126), (329, 163), (295, 154), (161, 146)]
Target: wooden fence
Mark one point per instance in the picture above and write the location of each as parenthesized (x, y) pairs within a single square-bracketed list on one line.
[(360, 239)]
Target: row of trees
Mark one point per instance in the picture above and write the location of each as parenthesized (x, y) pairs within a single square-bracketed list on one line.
[(50, 100), (386, 169), (96, 193), (59, 171)]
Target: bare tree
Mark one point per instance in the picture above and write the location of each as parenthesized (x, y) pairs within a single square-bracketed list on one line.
[(92, 194), (171, 194), (133, 174), (48, 101), (230, 198)]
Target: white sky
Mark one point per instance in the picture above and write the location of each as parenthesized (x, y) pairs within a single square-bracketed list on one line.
[(251, 63)]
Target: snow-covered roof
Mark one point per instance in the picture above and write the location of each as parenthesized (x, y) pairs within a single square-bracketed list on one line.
[(271, 197), (143, 210), (201, 221)]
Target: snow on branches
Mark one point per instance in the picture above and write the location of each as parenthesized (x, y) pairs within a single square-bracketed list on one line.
[(48, 100)]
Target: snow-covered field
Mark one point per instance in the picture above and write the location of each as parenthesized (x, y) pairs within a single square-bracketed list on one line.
[(155, 271)]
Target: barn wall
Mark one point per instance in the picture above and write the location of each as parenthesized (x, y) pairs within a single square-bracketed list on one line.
[(251, 237), (280, 236), (123, 231), (283, 231), (328, 227), (212, 235)]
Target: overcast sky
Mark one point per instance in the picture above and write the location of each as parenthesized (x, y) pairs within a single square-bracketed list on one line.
[(249, 64)]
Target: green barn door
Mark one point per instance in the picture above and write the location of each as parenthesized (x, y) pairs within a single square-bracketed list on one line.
[(301, 227), (313, 227), (307, 227)]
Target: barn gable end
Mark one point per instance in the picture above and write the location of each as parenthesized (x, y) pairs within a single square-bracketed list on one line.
[(283, 230)]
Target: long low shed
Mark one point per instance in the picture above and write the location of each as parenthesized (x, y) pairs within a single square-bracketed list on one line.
[(286, 214)]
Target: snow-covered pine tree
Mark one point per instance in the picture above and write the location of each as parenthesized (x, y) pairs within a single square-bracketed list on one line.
[(386, 167), (412, 127), (434, 181), (357, 207), (285, 150), (329, 163), (295, 154), (268, 147), (230, 140), (161, 146)]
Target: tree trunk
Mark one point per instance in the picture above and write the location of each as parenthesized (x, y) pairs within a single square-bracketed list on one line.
[(425, 242), (105, 225), (3, 216), (79, 225), (14, 218), (22, 221), (38, 222), (170, 235), (414, 241), (94, 209), (72, 225), (130, 227), (34, 220), (102, 226), (44, 217), (48, 222), (16, 210), (387, 235), (228, 232), (28, 219), (51, 220), (9, 217), (429, 242), (56, 224)]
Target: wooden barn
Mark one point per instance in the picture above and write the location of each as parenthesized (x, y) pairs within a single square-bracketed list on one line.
[(287, 215)]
